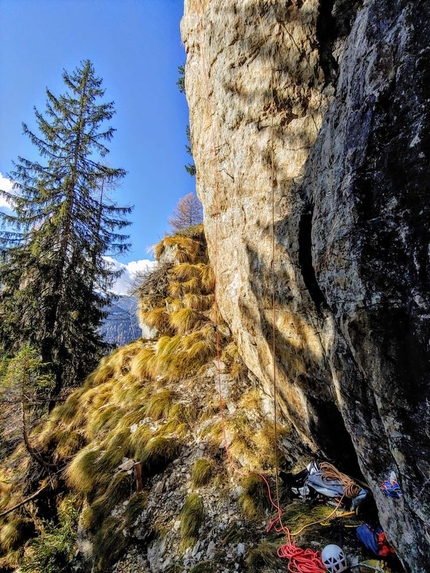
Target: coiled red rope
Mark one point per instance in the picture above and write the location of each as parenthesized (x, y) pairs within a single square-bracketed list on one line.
[(301, 560)]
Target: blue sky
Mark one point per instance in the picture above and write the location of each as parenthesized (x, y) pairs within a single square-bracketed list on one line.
[(135, 46)]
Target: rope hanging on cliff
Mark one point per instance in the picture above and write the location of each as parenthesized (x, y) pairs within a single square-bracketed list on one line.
[(300, 560), (199, 12), (216, 163)]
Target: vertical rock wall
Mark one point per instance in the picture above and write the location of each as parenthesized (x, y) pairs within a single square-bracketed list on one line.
[(310, 142)]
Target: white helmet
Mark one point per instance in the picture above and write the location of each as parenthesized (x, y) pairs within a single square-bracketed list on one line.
[(334, 559)]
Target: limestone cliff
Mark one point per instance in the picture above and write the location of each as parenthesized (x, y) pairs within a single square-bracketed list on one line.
[(309, 128)]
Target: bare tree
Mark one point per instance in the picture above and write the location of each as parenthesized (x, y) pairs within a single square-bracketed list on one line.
[(188, 211)]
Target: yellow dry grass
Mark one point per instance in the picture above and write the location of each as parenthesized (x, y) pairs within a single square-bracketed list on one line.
[(185, 272), (198, 301), (185, 320), (159, 404), (140, 366), (156, 318)]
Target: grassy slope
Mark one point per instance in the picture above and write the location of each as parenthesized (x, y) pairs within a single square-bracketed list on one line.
[(151, 402), (154, 406)]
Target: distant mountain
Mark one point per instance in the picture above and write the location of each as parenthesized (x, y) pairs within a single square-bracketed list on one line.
[(121, 325)]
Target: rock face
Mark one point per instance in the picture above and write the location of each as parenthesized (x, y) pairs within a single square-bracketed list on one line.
[(309, 124)]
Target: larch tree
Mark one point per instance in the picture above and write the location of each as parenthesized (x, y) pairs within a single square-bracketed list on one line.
[(54, 278), (188, 211)]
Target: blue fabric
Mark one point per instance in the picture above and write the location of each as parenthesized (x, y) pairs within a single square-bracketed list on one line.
[(368, 537), (391, 489)]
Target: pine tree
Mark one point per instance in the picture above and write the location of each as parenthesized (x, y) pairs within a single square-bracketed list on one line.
[(190, 167), (54, 279)]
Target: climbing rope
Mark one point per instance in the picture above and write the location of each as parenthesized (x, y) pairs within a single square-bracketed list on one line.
[(300, 560), (350, 488), (217, 170)]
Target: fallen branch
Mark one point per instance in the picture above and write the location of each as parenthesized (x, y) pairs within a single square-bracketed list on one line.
[(23, 502)]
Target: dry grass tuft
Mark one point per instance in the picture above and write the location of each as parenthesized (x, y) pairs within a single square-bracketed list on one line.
[(158, 453), (135, 507), (115, 447), (201, 352), (263, 557), (119, 489), (141, 366), (191, 286), (156, 318), (184, 320), (312, 517), (254, 500), (185, 249), (185, 272), (175, 290), (251, 400), (207, 278), (104, 372), (159, 404), (15, 532), (69, 444), (103, 418), (109, 543), (192, 515), (202, 472), (138, 441), (82, 472), (198, 301)]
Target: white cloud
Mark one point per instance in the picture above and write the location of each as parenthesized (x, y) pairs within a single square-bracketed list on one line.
[(130, 270), (5, 185)]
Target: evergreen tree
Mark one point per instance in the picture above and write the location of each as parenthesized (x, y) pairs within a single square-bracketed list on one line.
[(54, 279), (190, 167)]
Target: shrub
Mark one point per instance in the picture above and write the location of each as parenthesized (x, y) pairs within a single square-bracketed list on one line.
[(53, 550)]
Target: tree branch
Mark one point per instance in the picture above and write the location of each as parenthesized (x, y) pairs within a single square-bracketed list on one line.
[(24, 501)]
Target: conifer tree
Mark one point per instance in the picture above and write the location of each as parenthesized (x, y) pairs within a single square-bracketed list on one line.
[(190, 167), (54, 279)]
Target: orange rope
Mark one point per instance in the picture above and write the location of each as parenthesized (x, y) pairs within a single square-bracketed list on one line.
[(350, 488)]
